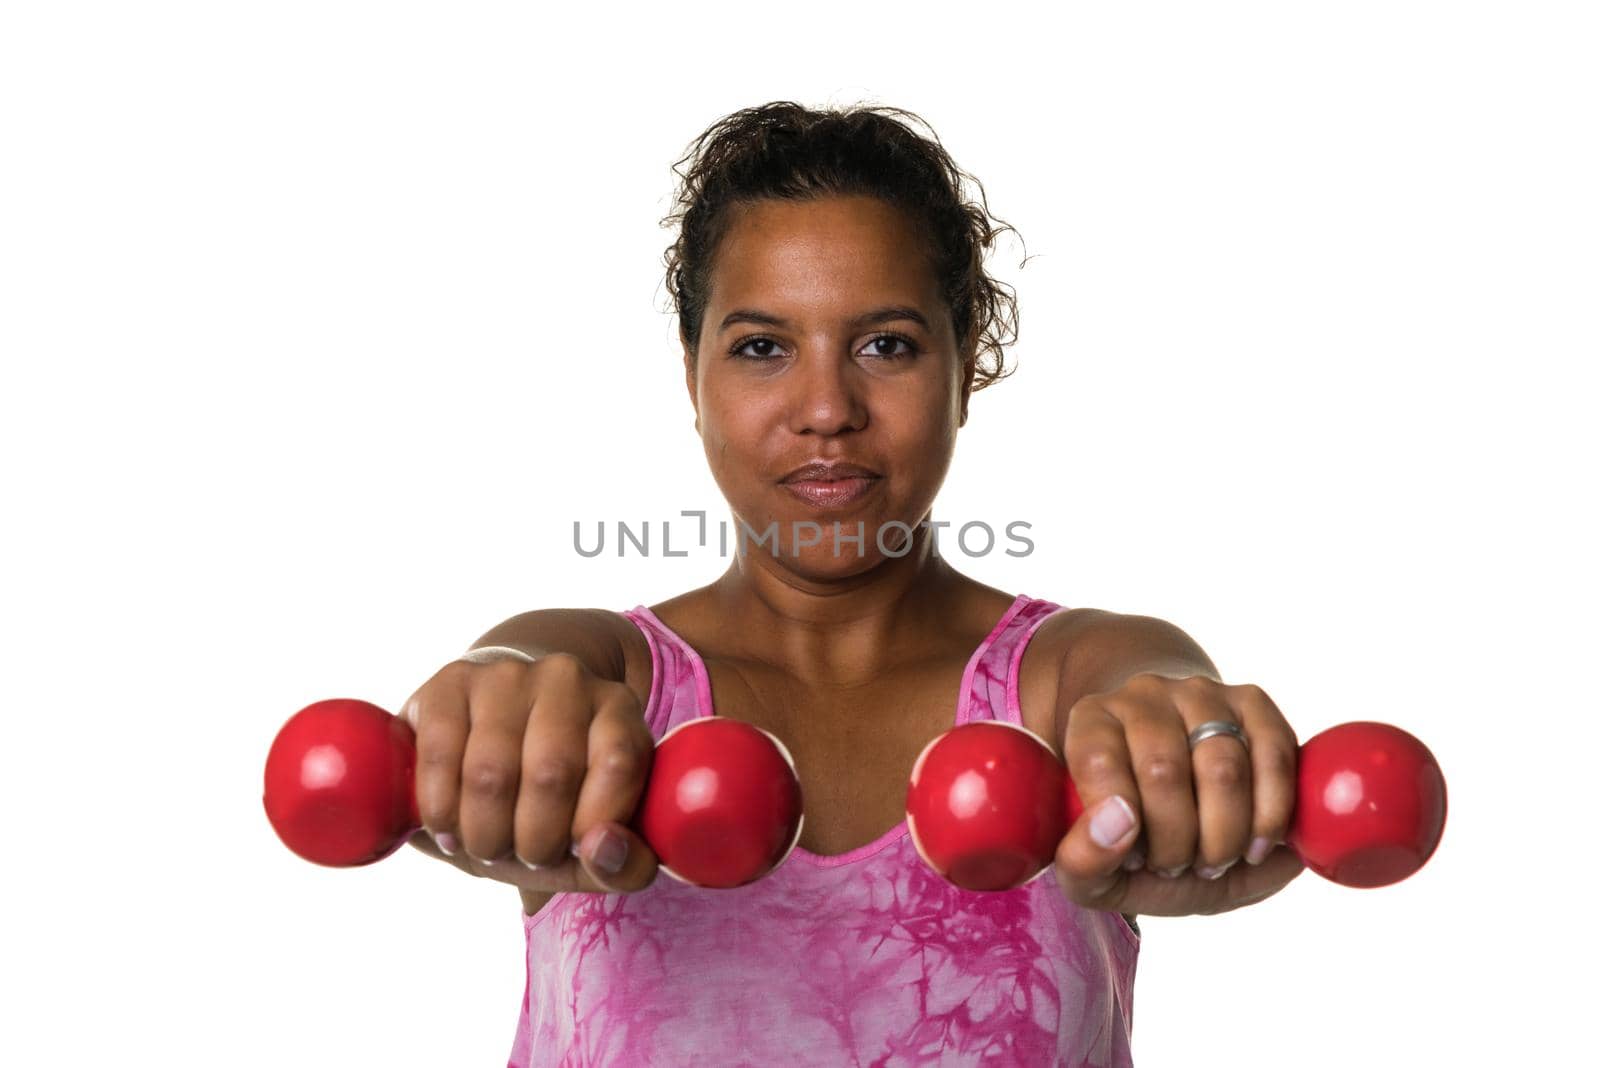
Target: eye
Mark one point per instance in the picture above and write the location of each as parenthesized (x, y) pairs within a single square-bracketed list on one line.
[(765, 348), (882, 346)]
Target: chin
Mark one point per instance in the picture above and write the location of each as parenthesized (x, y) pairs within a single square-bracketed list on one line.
[(820, 565)]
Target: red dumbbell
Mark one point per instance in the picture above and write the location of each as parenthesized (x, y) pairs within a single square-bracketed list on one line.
[(721, 806), (989, 803)]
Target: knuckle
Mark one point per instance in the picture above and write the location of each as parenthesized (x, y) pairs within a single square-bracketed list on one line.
[(453, 674), (1225, 773), (1070, 881), (1083, 711), (1161, 769), (1071, 871), (1147, 714), (434, 697), (504, 666), (1146, 680), (490, 778), (622, 759), (555, 776), (1088, 702), (559, 667), (1099, 763)]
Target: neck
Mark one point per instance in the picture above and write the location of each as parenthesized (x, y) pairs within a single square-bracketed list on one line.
[(838, 630)]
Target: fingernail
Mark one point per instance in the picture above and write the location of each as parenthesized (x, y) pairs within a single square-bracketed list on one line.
[(1173, 873), (1111, 822), (530, 865), (1215, 873), (1134, 862), (610, 854), (1259, 848), (447, 842)]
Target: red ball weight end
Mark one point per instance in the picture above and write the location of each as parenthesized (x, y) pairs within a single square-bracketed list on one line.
[(339, 786), (985, 805), (1370, 807), (722, 807)]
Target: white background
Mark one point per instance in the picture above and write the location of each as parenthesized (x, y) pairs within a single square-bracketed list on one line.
[(322, 322)]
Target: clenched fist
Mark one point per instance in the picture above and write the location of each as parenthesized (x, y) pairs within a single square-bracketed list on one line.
[(529, 772), (1173, 848)]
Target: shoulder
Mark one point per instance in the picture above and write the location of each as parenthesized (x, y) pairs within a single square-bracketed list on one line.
[(1043, 663), (1055, 636)]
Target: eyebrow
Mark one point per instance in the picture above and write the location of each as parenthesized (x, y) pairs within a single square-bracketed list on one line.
[(872, 318)]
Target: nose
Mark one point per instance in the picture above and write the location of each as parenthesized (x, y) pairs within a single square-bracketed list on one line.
[(827, 396)]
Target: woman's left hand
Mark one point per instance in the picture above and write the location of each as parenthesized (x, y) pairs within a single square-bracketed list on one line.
[(1195, 815)]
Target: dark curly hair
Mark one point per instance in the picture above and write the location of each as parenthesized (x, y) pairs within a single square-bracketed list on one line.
[(783, 150)]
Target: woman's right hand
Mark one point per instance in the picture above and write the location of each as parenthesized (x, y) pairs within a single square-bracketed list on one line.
[(517, 763)]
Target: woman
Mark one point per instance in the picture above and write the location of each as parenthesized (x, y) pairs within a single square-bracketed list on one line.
[(836, 319)]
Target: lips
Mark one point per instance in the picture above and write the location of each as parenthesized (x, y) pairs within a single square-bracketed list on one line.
[(829, 471), (832, 493), (831, 483)]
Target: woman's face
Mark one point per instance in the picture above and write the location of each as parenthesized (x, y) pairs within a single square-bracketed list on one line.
[(826, 339)]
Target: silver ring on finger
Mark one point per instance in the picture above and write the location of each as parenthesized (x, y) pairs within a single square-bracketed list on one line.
[(1214, 727)]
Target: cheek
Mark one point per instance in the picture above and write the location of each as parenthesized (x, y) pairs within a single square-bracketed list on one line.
[(931, 422), (730, 426)]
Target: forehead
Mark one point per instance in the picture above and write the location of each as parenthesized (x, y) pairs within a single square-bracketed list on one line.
[(829, 250)]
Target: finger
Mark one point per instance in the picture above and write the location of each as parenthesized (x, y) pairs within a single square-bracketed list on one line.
[(438, 714), (1220, 767), (491, 768), (1274, 761), (1089, 872), (554, 763), (639, 864), (620, 752), (1098, 760), (1159, 755), (1089, 858)]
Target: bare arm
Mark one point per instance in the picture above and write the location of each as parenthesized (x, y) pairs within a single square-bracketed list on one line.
[(594, 636), (1110, 648)]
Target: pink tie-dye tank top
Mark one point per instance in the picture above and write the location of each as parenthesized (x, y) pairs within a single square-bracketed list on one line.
[(863, 959)]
